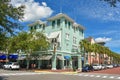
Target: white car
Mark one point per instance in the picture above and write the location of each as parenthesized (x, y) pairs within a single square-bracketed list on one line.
[(11, 65), (109, 66), (97, 67)]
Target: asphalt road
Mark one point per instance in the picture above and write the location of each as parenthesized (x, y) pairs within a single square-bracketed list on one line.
[(60, 77), (28, 75)]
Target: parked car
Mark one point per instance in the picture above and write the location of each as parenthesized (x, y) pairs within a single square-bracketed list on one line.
[(109, 66), (104, 66), (87, 68), (1, 65), (97, 67), (115, 65), (11, 65)]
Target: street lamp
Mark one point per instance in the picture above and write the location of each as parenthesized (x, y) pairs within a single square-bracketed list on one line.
[(54, 41)]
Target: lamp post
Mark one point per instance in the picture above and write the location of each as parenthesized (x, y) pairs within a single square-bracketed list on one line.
[(54, 41)]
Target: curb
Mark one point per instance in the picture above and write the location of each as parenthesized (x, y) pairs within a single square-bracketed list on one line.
[(55, 72)]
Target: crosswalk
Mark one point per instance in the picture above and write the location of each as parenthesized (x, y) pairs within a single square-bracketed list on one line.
[(18, 74), (104, 76)]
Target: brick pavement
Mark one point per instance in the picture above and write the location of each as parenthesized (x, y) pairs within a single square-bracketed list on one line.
[(109, 71)]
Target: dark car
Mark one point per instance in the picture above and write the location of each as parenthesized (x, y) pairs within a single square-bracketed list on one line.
[(87, 68)]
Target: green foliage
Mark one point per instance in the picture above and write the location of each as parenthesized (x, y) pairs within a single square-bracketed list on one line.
[(98, 49), (9, 16), (28, 42), (3, 41)]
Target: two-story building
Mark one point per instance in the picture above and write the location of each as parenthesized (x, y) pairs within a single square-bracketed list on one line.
[(64, 35)]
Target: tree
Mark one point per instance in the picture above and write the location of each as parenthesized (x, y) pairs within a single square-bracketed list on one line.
[(9, 16), (28, 42), (3, 41), (111, 2), (87, 47)]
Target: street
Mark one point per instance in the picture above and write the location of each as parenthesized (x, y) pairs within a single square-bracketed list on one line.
[(30, 75)]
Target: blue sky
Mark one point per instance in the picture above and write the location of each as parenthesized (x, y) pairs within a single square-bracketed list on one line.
[(100, 20)]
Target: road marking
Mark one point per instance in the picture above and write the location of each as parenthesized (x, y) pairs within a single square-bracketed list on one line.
[(86, 75), (104, 77), (80, 74), (98, 76), (118, 77), (92, 75), (15, 74), (111, 77)]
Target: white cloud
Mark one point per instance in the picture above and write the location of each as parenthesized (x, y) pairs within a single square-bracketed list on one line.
[(114, 44), (100, 39), (44, 4), (33, 10), (100, 10)]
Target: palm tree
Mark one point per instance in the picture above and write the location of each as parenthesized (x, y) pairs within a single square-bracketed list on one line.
[(86, 47)]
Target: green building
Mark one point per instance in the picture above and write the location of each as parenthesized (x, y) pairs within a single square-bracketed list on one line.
[(64, 35)]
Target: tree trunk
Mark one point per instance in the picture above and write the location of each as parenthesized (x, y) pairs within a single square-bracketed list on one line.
[(28, 62)]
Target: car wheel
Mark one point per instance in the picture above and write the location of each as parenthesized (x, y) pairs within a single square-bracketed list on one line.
[(4, 68), (10, 68)]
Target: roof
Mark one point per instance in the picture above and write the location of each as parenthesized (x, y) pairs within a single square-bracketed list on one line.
[(102, 43), (89, 39), (59, 16), (78, 25), (37, 22)]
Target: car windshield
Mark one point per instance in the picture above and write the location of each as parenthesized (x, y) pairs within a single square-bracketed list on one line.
[(8, 63), (16, 64)]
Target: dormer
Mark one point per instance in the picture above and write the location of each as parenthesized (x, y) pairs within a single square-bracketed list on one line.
[(59, 19), (37, 25)]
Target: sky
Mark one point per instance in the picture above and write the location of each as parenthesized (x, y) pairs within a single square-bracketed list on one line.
[(101, 21)]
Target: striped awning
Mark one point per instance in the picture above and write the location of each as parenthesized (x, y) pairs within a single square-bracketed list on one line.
[(45, 57)]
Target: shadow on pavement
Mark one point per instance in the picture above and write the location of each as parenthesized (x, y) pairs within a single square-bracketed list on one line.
[(3, 78)]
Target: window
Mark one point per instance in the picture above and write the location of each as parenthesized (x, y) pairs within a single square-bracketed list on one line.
[(67, 45), (74, 40), (82, 32), (68, 23), (35, 27), (74, 29), (67, 36), (53, 23), (58, 22), (65, 23), (31, 28), (43, 26)]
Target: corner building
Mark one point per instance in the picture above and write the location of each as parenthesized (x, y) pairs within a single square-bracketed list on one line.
[(64, 35)]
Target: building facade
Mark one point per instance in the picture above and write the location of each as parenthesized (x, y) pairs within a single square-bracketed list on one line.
[(96, 58), (64, 35)]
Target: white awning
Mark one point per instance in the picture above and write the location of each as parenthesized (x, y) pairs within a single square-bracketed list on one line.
[(46, 57), (60, 58), (54, 35)]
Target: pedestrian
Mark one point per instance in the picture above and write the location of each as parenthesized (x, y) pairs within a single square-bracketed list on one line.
[(34, 66)]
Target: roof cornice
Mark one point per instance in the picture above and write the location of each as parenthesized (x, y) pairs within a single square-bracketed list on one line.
[(59, 16)]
